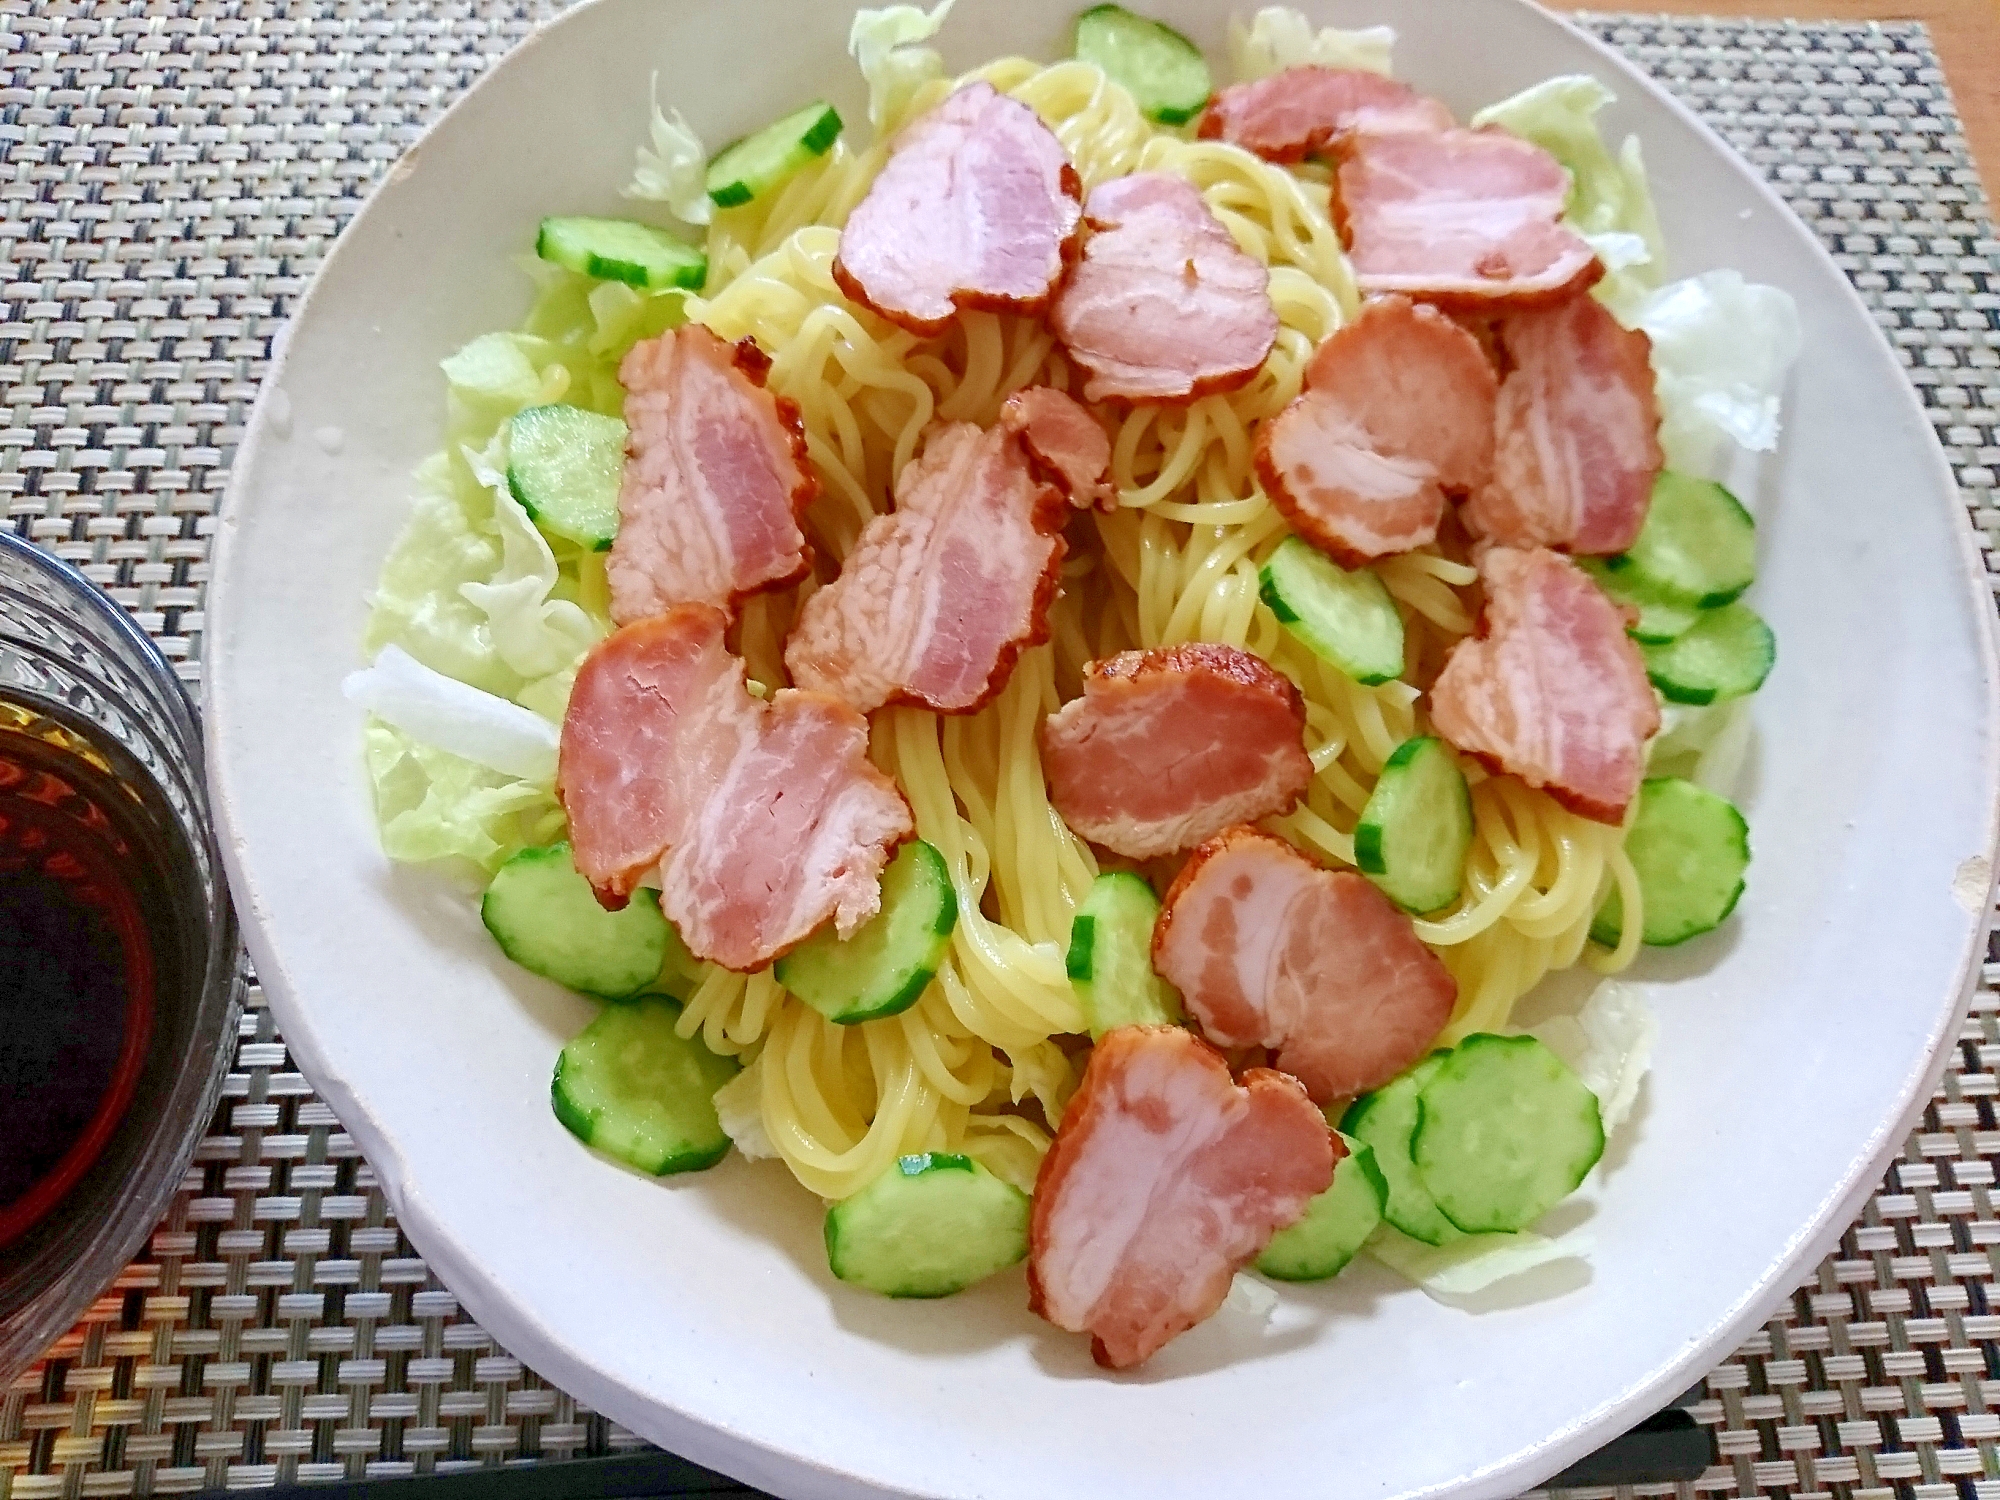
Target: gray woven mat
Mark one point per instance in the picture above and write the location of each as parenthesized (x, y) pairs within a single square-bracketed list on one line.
[(171, 172)]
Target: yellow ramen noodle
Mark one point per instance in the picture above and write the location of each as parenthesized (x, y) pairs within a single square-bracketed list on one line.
[(987, 1058)]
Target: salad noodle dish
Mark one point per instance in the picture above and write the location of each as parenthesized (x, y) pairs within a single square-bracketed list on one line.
[(1063, 658)]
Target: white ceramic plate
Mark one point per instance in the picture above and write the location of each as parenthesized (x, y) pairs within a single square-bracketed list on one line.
[(1798, 1044)]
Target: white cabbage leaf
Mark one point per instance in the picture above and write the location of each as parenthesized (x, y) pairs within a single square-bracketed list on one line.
[(533, 634), (884, 42), (1608, 1044), (433, 805), (1251, 1299), (739, 1107), (672, 167), (1722, 347), (1706, 745), (455, 717), (1278, 37), (1470, 1265)]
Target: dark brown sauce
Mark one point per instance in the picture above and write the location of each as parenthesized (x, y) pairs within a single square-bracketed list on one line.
[(89, 930)]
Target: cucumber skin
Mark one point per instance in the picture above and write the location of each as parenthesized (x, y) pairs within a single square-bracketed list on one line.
[(1660, 672), (1079, 959), (1161, 113), (1355, 1123), (815, 142), (910, 1167), (1644, 581), (913, 987), (494, 917), (1270, 589), (535, 511), (689, 276), (1369, 832), (582, 1123), (1360, 1160), (1605, 932), (1465, 1056)]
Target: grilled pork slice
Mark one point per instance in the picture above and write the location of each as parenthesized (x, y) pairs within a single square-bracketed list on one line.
[(1289, 115), (1163, 306), (1270, 949), (939, 597), (1467, 219), (1169, 746), (1397, 409), (716, 478), (977, 207), (1579, 433), (1064, 444), (1551, 689), (1165, 1179), (763, 818)]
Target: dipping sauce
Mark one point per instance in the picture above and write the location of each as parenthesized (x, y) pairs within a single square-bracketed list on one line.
[(83, 915)]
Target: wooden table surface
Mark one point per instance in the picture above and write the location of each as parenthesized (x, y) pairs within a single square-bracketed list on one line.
[(1966, 34)]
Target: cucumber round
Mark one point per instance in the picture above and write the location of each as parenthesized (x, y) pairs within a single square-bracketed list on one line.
[(1111, 957), (1690, 850), (1163, 71), (564, 465), (1385, 1121), (1727, 653), (1416, 827), (1345, 617), (633, 1088), (545, 917), (886, 964), (749, 168), (1505, 1131), (1698, 546), (1659, 620), (1335, 1223), (931, 1225), (620, 250)]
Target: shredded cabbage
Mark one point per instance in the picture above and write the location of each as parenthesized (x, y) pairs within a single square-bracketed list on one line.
[(446, 714), (1608, 1044), (533, 634), (1251, 1299), (1722, 347), (433, 805), (739, 1109), (673, 167), (1279, 37), (1707, 745), (1470, 1265), (884, 43)]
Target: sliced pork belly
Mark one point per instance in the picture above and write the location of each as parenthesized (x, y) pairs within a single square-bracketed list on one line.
[(1165, 1179), (764, 818), (1552, 689), (938, 598), (1579, 433), (977, 206), (1397, 409), (1270, 949), (1289, 115), (1463, 218), (1064, 444), (1169, 746), (716, 478), (1163, 306)]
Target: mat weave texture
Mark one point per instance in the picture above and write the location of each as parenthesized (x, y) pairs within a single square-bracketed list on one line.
[(170, 174)]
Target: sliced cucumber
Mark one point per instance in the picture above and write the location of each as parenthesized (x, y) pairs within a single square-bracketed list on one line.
[(629, 1086), (751, 167), (1698, 546), (1690, 849), (929, 1226), (1727, 653), (1111, 957), (1416, 827), (1346, 617), (884, 967), (1385, 1121), (545, 917), (1335, 1224), (1505, 1131), (564, 465), (620, 250), (1163, 71), (1660, 620)]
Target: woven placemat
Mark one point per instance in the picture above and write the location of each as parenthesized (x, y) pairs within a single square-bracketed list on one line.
[(171, 172)]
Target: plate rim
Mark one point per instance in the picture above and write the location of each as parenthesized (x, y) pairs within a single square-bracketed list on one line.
[(517, 1327)]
